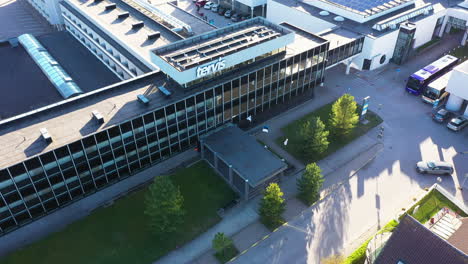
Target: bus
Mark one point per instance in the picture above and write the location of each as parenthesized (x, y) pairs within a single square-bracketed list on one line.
[(418, 81), (436, 89)]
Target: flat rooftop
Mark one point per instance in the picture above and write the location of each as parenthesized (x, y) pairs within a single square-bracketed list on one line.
[(252, 161), (303, 40), (199, 50), (366, 28), (366, 7), (198, 25), (339, 36), (21, 94), (130, 37)]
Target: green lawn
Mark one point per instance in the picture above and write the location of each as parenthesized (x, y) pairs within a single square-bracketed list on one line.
[(460, 53), (119, 234), (432, 203), (295, 141)]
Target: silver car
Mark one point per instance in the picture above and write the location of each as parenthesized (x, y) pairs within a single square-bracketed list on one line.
[(458, 123), (434, 167)]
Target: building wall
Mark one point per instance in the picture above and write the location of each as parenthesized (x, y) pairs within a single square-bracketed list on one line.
[(375, 48), (46, 182), (49, 9), (106, 53), (425, 29), (278, 13)]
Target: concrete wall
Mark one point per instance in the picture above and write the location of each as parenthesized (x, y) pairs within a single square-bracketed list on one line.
[(278, 13), (375, 48), (425, 29)]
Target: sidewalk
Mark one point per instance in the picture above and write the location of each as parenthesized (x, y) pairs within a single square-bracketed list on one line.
[(242, 223)]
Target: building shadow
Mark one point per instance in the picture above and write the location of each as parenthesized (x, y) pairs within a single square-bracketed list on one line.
[(36, 147), (90, 127)]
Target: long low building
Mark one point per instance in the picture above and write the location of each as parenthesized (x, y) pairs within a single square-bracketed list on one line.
[(97, 139)]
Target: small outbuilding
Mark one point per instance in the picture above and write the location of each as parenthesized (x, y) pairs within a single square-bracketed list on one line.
[(240, 160)]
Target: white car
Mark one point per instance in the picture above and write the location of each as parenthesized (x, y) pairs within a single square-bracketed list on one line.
[(214, 7), (208, 5)]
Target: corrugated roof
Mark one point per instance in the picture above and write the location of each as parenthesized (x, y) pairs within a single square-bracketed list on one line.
[(49, 66)]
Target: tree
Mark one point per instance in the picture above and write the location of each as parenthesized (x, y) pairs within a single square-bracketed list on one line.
[(221, 242), (310, 183), (343, 117), (315, 137), (164, 206), (272, 205), (334, 259)]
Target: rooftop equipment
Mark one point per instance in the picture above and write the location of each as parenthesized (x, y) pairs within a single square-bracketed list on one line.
[(110, 6), (99, 118), (45, 135), (123, 15), (143, 99), (138, 25), (154, 35), (49, 66)]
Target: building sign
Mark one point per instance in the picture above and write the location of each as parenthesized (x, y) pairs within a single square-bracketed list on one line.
[(213, 67), (365, 105)]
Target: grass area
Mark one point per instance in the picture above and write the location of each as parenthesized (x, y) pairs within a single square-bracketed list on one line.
[(432, 203), (460, 53), (119, 233), (295, 142), (229, 253), (429, 43), (359, 255)]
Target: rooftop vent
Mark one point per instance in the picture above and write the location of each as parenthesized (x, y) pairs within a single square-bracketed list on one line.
[(123, 15), (138, 25), (164, 91), (338, 19), (54, 63), (154, 35), (45, 135), (324, 13), (142, 99), (96, 115), (111, 6), (97, 1)]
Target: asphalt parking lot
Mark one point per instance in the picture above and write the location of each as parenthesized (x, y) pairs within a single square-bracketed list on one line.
[(217, 20), (18, 17), (378, 191)]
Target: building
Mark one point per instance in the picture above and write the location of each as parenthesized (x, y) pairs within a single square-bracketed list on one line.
[(392, 30), (252, 68), (458, 90), (412, 243), (181, 78)]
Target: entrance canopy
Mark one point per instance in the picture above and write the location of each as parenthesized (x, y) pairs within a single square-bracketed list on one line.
[(243, 154)]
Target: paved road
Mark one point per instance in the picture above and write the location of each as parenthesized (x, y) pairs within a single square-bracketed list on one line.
[(377, 192)]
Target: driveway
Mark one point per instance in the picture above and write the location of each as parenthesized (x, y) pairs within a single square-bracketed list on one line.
[(339, 223)]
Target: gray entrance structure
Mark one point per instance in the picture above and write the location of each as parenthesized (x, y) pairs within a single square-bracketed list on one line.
[(241, 160)]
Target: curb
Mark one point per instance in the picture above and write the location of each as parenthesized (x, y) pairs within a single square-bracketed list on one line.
[(332, 189)]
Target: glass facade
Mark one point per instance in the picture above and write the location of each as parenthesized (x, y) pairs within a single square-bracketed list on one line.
[(42, 184), (345, 51)]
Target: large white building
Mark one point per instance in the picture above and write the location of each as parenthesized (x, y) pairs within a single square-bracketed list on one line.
[(458, 89), (392, 29)]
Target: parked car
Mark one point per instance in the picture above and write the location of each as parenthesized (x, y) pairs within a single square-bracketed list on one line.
[(442, 115), (201, 3), (221, 11), (246, 17), (235, 17), (214, 7), (458, 123), (228, 13), (434, 167), (208, 5)]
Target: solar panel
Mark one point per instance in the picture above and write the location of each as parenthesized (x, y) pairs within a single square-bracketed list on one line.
[(363, 5)]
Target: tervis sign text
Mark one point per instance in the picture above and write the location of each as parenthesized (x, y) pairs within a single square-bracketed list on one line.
[(217, 65)]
